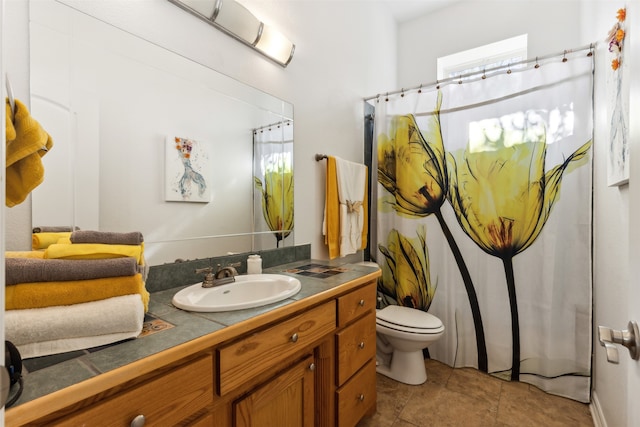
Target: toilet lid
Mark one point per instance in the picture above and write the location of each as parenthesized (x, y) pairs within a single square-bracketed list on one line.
[(408, 318)]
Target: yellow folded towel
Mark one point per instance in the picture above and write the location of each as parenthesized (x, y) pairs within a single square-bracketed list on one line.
[(26, 143), (24, 254), (44, 240), (93, 251), (50, 294)]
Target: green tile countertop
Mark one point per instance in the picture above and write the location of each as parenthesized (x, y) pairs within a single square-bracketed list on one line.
[(52, 373)]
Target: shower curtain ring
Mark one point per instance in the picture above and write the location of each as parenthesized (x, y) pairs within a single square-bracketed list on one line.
[(537, 65), (402, 93), (484, 75), (437, 84), (420, 89), (564, 57), (386, 99)]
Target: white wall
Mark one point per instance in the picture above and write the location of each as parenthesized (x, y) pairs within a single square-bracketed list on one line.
[(344, 52), (632, 373), (551, 26), (611, 234)]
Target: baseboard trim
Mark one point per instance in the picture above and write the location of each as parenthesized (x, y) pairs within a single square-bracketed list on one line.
[(596, 411)]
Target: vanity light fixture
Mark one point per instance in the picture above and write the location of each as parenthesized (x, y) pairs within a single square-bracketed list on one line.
[(237, 21)]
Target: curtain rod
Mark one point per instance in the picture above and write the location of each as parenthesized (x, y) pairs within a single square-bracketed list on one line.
[(459, 78), (282, 122)]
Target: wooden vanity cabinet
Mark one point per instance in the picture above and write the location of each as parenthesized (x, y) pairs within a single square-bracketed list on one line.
[(306, 365)]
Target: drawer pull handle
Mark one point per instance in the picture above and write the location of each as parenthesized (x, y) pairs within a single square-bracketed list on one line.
[(361, 345), (361, 303), (294, 338), (138, 421), (361, 397), (312, 367)]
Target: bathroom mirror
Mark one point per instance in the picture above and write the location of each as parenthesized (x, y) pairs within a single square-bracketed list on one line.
[(148, 140)]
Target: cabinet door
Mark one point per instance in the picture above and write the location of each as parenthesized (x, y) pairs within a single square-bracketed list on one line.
[(285, 401)]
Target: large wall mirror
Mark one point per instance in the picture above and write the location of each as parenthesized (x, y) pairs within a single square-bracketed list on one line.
[(148, 140)]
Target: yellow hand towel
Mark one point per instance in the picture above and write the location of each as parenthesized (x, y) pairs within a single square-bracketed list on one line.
[(50, 294), (26, 143), (93, 251), (44, 240), (24, 254), (332, 210)]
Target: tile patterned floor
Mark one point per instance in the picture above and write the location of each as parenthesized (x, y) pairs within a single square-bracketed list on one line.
[(467, 397)]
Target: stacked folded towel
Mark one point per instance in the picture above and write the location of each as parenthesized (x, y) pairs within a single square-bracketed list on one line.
[(44, 239), (76, 295)]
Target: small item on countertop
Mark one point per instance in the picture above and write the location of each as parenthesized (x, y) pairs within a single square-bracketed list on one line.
[(254, 264)]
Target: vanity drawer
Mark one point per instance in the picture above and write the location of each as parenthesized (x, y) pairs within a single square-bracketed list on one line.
[(167, 400), (242, 360), (357, 397), (356, 303), (356, 345)]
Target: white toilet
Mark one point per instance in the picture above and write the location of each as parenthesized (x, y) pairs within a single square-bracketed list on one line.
[(401, 334)]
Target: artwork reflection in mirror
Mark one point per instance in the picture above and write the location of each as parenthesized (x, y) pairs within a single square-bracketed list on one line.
[(110, 99), (187, 170)]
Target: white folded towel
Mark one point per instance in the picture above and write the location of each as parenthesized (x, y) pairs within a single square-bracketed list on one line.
[(49, 330), (46, 348), (351, 187)]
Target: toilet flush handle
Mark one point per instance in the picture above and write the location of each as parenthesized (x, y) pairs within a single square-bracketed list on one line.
[(629, 338)]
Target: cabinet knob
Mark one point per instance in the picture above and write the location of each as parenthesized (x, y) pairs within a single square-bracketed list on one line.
[(294, 338), (361, 397), (312, 367), (361, 345), (138, 421), (361, 303)]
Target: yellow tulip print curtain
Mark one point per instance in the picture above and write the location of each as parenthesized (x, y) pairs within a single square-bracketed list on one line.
[(273, 186), (484, 216)]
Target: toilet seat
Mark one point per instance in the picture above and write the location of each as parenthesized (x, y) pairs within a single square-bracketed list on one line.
[(409, 320)]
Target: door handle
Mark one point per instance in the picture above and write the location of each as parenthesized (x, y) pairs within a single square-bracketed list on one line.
[(630, 338)]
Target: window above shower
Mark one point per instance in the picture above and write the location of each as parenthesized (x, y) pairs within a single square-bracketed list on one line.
[(503, 52)]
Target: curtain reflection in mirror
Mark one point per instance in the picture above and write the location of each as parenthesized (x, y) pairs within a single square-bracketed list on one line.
[(273, 176)]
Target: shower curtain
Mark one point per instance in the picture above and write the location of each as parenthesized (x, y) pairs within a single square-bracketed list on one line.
[(483, 218), (273, 185)]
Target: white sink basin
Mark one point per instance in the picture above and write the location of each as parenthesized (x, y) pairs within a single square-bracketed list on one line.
[(251, 290)]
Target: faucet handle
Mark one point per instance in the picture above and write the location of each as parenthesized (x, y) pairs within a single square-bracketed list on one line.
[(205, 270)]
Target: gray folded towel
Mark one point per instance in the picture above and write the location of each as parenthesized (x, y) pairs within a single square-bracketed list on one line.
[(107, 237), (53, 229), (28, 270)]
